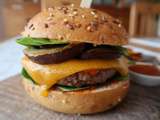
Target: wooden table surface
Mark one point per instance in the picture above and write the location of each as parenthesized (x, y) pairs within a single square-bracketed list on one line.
[(142, 103)]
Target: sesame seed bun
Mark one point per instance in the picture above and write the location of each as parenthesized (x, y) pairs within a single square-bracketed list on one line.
[(80, 102), (77, 25)]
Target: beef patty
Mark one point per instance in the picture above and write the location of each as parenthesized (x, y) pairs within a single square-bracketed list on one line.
[(86, 78)]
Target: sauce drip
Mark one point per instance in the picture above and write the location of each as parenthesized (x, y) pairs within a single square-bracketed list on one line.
[(145, 69)]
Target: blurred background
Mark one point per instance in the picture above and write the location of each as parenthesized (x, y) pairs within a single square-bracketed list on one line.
[(140, 17)]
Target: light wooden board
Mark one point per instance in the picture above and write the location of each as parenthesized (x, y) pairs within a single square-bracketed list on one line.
[(142, 103)]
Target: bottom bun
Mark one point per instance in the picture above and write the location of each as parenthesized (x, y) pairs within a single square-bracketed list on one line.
[(80, 102)]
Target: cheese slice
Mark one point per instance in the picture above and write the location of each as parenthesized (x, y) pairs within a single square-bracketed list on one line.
[(49, 75)]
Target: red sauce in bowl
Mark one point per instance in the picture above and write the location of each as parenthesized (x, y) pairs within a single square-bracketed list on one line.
[(145, 69)]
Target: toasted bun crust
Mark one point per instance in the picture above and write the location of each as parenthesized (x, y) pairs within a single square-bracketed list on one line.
[(77, 25), (80, 102)]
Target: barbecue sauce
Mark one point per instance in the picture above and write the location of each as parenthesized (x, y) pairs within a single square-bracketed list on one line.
[(145, 69)]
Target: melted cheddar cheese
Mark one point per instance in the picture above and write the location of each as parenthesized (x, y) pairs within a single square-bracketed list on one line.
[(49, 75)]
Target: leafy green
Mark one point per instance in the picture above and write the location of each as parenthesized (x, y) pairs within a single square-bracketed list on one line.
[(122, 50), (70, 88), (125, 52), (131, 62), (26, 75), (28, 41), (120, 78)]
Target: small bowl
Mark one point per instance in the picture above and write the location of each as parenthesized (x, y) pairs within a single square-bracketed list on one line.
[(142, 79)]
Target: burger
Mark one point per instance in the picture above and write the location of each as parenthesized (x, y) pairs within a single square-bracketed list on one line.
[(74, 61)]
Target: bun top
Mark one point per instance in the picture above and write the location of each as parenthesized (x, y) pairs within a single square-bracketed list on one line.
[(77, 25)]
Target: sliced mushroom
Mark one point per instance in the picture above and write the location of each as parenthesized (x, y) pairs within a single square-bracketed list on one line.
[(100, 53), (54, 55)]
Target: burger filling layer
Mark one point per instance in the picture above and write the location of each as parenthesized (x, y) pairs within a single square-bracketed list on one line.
[(50, 75), (53, 63), (88, 78)]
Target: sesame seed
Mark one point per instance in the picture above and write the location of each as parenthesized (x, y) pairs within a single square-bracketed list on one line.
[(49, 18), (120, 25), (116, 22), (59, 8), (63, 101), (65, 21), (93, 13), (64, 8), (51, 15), (72, 5), (70, 26), (92, 26), (104, 19), (83, 16), (50, 9), (70, 15), (60, 37), (89, 29), (119, 99), (75, 13), (78, 25)]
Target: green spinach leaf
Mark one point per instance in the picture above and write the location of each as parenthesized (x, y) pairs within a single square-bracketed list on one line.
[(28, 41), (26, 75), (131, 62), (70, 88), (121, 78)]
